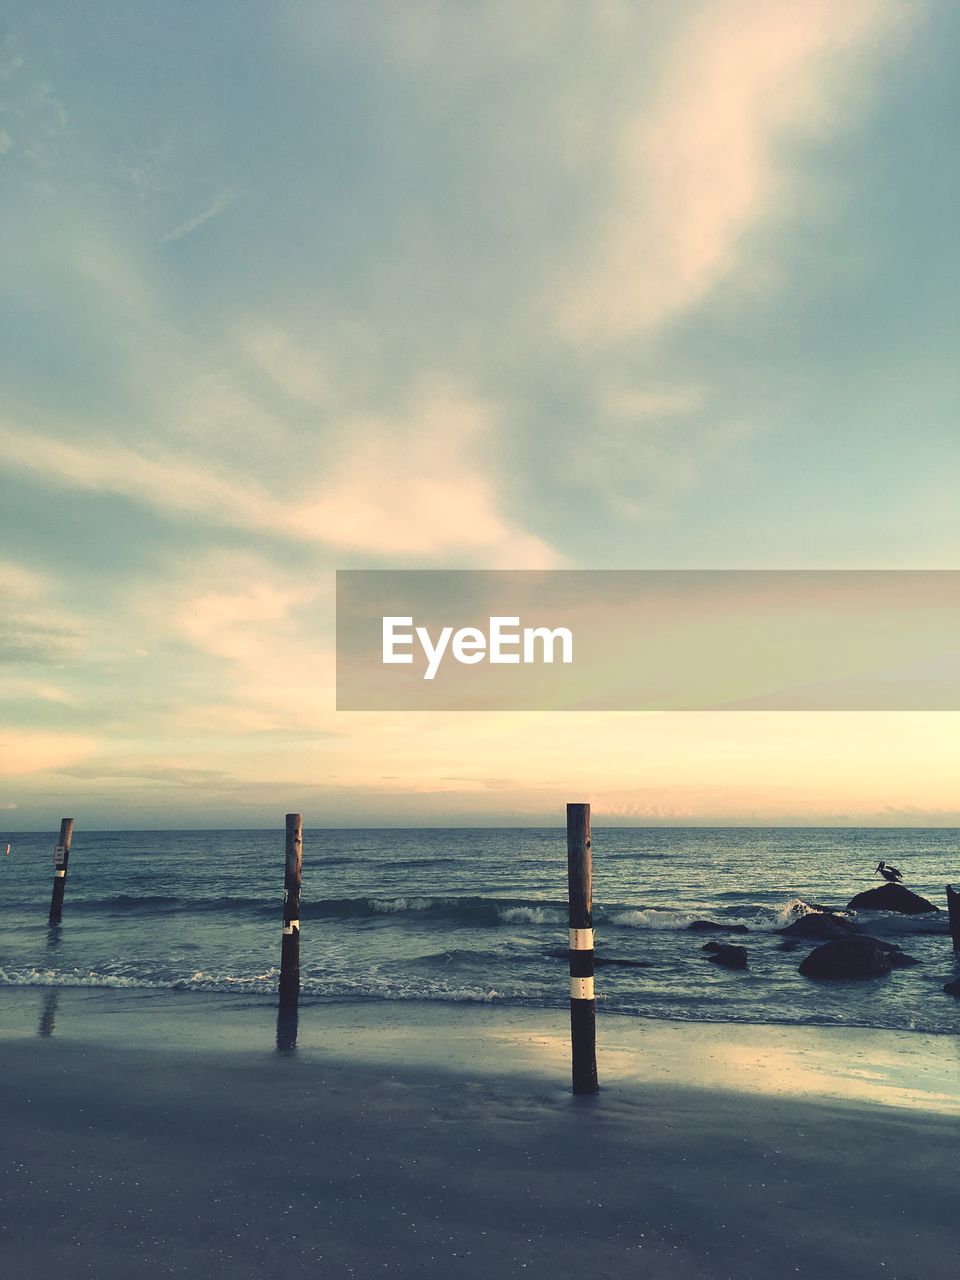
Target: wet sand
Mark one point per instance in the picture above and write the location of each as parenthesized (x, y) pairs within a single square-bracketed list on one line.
[(159, 1138)]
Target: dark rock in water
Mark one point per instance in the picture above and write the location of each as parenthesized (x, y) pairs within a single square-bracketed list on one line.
[(891, 897), (728, 957), (899, 959), (819, 925), (952, 988), (711, 926), (847, 958)]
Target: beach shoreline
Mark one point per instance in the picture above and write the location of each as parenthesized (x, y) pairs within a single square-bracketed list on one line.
[(856, 1065), (168, 1136)]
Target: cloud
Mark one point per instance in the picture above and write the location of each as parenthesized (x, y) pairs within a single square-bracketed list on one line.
[(170, 775), (265, 629), (34, 628), (422, 486), (14, 688), (218, 205), (295, 371), (421, 483), (19, 583), (27, 640), (26, 751), (694, 174), (161, 480)]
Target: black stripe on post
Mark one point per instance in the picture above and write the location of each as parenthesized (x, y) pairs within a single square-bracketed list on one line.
[(290, 946), (953, 907), (583, 1006), (61, 856)]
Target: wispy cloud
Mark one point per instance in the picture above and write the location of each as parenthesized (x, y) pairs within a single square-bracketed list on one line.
[(695, 173), (422, 483), (218, 205), (28, 751)]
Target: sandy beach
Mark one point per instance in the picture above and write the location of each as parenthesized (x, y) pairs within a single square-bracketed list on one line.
[(174, 1139)]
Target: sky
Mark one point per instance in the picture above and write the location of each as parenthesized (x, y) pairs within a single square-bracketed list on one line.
[(296, 287)]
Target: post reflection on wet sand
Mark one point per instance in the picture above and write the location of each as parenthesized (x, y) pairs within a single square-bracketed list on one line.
[(48, 1012), (287, 1020)]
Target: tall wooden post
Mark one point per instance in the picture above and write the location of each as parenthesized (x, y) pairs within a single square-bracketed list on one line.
[(953, 906), (583, 1006), (290, 946), (61, 856)]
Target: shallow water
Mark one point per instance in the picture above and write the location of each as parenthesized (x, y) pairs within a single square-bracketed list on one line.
[(472, 915)]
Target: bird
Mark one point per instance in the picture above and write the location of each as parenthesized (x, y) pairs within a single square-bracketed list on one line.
[(890, 874)]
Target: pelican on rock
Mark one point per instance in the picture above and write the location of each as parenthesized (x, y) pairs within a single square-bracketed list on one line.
[(890, 874)]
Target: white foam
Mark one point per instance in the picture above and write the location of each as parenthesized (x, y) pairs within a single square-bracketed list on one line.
[(531, 915)]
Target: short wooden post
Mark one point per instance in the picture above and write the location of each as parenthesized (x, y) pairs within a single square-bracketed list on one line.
[(61, 856), (290, 946), (583, 1006), (953, 907)]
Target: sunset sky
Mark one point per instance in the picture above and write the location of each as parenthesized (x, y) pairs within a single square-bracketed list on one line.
[(297, 287)]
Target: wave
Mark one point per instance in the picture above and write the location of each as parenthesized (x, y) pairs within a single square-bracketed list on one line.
[(465, 911), (759, 919), (265, 984), (319, 990), (458, 911)]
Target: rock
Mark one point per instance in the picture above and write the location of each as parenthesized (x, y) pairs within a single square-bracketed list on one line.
[(711, 926), (819, 925), (952, 988), (891, 897), (727, 957), (847, 958), (899, 959)]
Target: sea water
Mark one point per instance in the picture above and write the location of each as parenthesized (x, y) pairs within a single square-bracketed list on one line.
[(462, 915)]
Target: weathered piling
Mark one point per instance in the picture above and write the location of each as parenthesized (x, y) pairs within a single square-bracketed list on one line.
[(61, 856), (583, 1029), (290, 945), (953, 906)]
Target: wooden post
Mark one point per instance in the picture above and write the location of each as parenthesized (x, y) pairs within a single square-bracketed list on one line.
[(953, 906), (61, 856), (290, 946), (583, 1006)]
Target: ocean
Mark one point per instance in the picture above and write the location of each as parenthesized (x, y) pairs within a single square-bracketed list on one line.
[(464, 915)]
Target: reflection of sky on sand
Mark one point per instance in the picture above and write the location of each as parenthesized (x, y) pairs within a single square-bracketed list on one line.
[(901, 1069), (897, 1069)]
